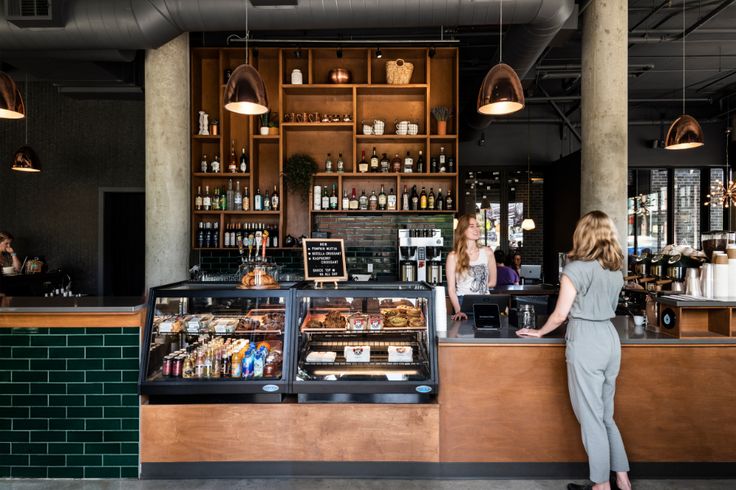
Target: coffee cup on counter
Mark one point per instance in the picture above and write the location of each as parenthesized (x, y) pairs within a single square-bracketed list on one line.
[(8, 271)]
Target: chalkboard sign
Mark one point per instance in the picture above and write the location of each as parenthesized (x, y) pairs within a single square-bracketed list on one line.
[(324, 259)]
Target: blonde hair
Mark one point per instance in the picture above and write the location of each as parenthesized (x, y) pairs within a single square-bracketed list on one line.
[(460, 244), (595, 238)]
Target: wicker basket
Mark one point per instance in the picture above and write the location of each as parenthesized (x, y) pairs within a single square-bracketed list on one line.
[(398, 72)]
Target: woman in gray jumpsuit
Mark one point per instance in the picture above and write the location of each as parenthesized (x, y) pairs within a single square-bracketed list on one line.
[(589, 290)]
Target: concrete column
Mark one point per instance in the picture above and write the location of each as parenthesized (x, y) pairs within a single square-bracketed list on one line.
[(167, 162), (605, 111)]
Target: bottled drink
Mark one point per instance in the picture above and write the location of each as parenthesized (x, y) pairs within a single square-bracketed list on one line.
[(207, 234), (363, 200), (433, 166), (354, 201), (442, 160), (363, 163), (345, 200), (207, 199), (275, 236), (333, 197), (266, 202), (243, 161), (439, 203), (430, 199), (203, 164), (374, 166), (420, 163), (405, 200), (385, 164), (216, 200), (325, 200), (200, 235), (223, 201), (373, 201), (232, 165), (258, 201), (231, 197), (423, 199), (396, 164), (215, 234), (414, 199), (340, 163), (451, 164), (226, 236), (382, 199), (328, 163), (448, 200), (246, 199), (408, 163), (215, 165), (275, 199), (391, 200), (198, 199)]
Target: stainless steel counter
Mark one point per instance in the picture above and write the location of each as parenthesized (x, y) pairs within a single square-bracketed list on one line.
[(84, 304)]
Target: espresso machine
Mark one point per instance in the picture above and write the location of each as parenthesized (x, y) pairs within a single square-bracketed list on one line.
[(420, 255)]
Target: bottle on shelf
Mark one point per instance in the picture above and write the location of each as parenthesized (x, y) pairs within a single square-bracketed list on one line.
[(198, 199), (391, 200), (258, 200), (363, 200), (243, 161), (223, 201), (449, 203), (405, 200), (396, 164), (363, 163), (215, 234), (414, 204), (345, 200), (232, 165), (215, 200), (275, 199), (325, 200), (382, 199), (230, 196), (423, 199), (385, 164), (374, 164), (430, 199), (215, 165), (237, 197), (226, 236), (373, 201), (439, 203), (451, 164), (333, 197), (200, 235), (203, 164), (442, 160), (266, 202), (408, 163), (340, 163), (246, 199), (420, 163), (207, 199), (354, 201), (328, 163), (207, 235), (433, 165)]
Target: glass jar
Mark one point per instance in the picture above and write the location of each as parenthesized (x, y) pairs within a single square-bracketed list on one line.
[(296, 77), (527, 316)]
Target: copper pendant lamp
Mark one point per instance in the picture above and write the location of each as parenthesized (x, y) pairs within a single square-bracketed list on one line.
[(501, 91), (685, 132), (25, 158), (245, 92), (11, 102)]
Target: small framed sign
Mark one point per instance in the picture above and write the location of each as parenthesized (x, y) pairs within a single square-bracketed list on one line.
[(324, 259)]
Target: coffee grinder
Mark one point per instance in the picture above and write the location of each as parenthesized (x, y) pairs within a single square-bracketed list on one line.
[(420, 255)]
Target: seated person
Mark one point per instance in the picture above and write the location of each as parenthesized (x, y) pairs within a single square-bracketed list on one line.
[(504, 275), (515, 262), (8, 257)]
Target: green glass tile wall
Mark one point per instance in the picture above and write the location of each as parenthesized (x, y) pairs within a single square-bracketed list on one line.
[(68, 402)]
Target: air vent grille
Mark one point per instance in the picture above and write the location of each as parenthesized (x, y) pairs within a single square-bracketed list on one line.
[(35, 13)]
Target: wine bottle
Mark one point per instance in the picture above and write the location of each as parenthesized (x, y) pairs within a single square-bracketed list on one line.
[(207, 199), (232, 166), (439, 203), (374, 165), (420, 163), (258, 200), (246, 200), (243, 161), (275, 199), (333, 197), (430, 199), (198, 199), (354, 201), (363, 163), (382, 199), (414, 199)]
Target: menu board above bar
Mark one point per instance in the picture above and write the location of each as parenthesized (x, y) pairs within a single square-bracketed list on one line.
[(324, 259)]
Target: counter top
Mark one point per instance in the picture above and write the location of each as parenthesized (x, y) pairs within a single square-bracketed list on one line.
[(83, 304), (526, 290), (462, 332)]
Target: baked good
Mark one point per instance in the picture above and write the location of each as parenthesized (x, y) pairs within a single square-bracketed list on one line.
[(375, 322), (397, 322), (357, 322), (273, 321), (335, 320), (258, 278), (313, 324), (357, 353), (413, 312), (416, 322), (400, 353)]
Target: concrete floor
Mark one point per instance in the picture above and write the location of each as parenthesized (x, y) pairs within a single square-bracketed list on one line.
[(343, 484)]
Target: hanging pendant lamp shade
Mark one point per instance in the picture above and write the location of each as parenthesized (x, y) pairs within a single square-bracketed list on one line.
[(684, 133), (501, 91), (26, 160), (245, 92), (11, 102), (528, 224)]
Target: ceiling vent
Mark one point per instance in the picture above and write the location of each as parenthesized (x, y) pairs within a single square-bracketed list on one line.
[(35, 13), (274, 4)]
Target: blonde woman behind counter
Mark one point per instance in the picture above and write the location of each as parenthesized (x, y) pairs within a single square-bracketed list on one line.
[(8, 257), (471, 269)]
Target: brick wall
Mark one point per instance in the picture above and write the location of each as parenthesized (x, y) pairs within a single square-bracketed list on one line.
[(69, 403), (533, 250)]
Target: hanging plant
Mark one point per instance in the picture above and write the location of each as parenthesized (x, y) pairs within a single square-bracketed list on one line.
[(298, 172)]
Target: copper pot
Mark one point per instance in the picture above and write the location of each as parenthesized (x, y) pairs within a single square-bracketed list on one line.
[(340, 75)]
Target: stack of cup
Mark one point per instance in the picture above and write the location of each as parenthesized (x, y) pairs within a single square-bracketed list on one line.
[(731, 253), (720, 275), (706, 280)]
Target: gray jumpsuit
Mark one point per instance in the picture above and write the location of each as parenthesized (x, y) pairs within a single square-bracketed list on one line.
[(593, 356)]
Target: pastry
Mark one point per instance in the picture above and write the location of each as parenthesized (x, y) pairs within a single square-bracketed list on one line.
[(335, 320), (375, 322), (398, 321), (357, 353), (416, 323), (400, 353), (413, 312), (258, 278), (313, 324), (357, 322)]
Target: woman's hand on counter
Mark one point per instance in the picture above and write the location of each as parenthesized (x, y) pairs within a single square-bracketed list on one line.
[(459, 316), (529, 332)]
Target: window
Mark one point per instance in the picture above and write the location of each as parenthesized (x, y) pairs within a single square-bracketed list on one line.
[(687, 207), (647, 210)]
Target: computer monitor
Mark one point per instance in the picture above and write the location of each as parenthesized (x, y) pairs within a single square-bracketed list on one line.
[(502, 300), (531, 272)]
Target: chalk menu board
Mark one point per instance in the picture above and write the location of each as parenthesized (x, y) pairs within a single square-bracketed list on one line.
[(324, 259)]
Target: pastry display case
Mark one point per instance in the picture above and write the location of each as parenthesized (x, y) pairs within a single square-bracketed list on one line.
[(217, 339), (365, 341)]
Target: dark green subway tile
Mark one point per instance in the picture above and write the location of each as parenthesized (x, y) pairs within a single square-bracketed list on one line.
[(48, 436), (48, 460), (85, 388), (121, 388), (30, 352), (15, 388), (121, 340), (102, 424), (129, 448), (66, 448), (120, 460), (69, 331), (121, 412), (103, 376), (4, 448), (102, 448), (121, 436), (16, 459), (5, 376), (129, 424), (130, 400), (5, 401), (121, 364), (131, 352), (28, 472), (66, 424), (104, 352), (30, 376), (4, 471), (84, 436), (15, 340), (66, 472), (103, 400), (92, 472), (26, 448), (132, 331), (104, 331), (5, 424), (6, 352), (48, 388), (47, 365), (66, 376), (30, 400), (130, 376), (48, 340), (85, 340), (84, 412), (31, 331), (48, 412), (17, 364), (66, 352), (83, 364), (30, 424), (128, 472), (66, 401), (87, 460), (14, 436)]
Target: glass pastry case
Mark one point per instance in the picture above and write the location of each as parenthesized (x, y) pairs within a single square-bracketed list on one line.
[(365, 341), (217, 339)]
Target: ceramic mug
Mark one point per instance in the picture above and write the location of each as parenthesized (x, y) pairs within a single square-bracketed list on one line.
[(412, 128), (367, 128), (301, 117), (346, 118), (378, 127), (313, 117), (289, 117), (402, 127)]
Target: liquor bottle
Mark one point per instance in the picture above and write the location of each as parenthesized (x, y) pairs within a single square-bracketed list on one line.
[(340, 163), (207, 199), (405, 200), (223, 201), (448, 200), (363, 200), (391, 200), (408, 163), (243, 161), (266, 202), (226, 235), (430, 199), (354, 201), (382, 199), (275, 236), (203, 164), (275, 199), (375, 166), (433, 166), (207, 234), (198, 199), (215, 165), (215, 201), (328, 163), (232, 166), (451, 164), (258, 200), (362, 164), (396, 164), (345, 200), (246, 199), (373, 201), (215, 234), (385, 164), (230, 206), (414, 199), (325, 200), (423, 199), (442, 160), (200, 235), (439, 203), (420, 163), (333, 197)]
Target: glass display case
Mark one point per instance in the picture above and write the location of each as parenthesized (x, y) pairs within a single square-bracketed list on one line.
[(217, 339), (365, 341)]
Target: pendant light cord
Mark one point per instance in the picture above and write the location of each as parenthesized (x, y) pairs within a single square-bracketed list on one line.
[(247, 34), (683, 57), (500, 36), (28, 112), (528, 164)]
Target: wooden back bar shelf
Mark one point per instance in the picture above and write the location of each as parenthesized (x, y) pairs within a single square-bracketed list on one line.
[(368, 97)]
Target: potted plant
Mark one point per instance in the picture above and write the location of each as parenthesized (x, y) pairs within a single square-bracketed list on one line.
[(273, 124), (441, 114), (299, 170), (264, 119)]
